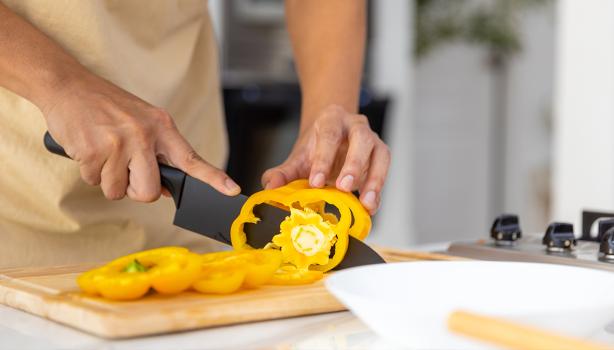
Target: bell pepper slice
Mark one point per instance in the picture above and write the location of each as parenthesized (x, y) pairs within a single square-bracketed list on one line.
[(362, 220), (261, 267), (176, 274), (298, 199), (215, 280), (361, 225), (169, 270), (290, 275), (112, 283), (258, 265)]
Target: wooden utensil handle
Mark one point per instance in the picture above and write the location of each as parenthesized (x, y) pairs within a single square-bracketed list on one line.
[(511, 335)]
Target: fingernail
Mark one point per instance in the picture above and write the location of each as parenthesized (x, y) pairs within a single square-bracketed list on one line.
[(318, 180), (231, 186), (370, 200), (346, 183), (267, 186)]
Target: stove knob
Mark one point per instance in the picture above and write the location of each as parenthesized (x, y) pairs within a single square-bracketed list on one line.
[(606, 248), (559, 237), (506, 230), (604, 226)]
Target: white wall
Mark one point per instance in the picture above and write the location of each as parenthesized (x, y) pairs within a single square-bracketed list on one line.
[(584, 122), (452, 123), (453, 115), (529, 122)]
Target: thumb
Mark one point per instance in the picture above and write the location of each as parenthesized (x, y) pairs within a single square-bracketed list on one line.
[(181, 155)]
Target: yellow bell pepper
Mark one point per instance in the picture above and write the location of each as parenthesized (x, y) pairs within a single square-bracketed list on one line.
[(219, 281), (262, 265), (290, 275), (226, 272), (299, 199), (112, 283), (361, 224), (169, 270), (309, 233), (305, 239)]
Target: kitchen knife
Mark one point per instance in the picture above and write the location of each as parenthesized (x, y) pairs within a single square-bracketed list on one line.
[(203, 210)]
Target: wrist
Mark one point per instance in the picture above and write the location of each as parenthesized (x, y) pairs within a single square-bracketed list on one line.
[(52, 83)]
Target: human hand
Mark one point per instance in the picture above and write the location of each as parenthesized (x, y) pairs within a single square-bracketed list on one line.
[(118, 139), (340, 148)]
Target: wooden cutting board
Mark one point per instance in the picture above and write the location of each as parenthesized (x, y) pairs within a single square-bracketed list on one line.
[(52, 293)]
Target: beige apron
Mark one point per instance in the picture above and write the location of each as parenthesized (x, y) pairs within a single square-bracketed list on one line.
[(162, 51)]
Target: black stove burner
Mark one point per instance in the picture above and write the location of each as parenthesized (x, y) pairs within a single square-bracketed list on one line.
[(508, 243)]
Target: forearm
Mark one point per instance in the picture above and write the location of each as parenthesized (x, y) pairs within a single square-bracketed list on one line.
[(31, 64), (328, 39)]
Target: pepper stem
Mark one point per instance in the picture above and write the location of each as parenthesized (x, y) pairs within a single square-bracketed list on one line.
[(134, 267)]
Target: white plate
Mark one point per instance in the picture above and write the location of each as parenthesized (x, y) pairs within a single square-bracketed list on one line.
[(409, 303)]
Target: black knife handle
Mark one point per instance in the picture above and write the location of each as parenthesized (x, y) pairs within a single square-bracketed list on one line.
[(53, 146), (171, 178)]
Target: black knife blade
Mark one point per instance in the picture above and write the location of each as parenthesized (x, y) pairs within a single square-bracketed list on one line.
[(203, 210)]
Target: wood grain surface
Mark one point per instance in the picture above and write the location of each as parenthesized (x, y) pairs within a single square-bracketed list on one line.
[(52, 292)]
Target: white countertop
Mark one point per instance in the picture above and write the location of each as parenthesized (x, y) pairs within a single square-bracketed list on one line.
[(338, 331), (334, 331)]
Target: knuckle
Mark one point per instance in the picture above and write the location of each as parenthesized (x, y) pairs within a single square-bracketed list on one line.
[(386, 151), (88, 155), (362, 119), (113, 187), (147, 196), (192, 158), (377, 184), (143, 135), (374, 183), (354, 165), (215, 174), (332, 135), (90, 177), (163, 117), (268, 174), (362, 133), (91, 180), (114, 141)]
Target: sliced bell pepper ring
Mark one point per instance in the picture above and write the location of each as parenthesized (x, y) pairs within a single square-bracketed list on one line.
[(261, 267), (112, 283), (362, 220), (168, 270), (258, 265), (301, 198), (175, 274), (361, 224), (216, 280), (238, 237), (303, 184), (290, 275)]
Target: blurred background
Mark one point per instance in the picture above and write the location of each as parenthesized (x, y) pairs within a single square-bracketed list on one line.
[(489, 106)]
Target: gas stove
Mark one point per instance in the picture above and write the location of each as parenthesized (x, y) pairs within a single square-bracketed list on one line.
[(558, 245)]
